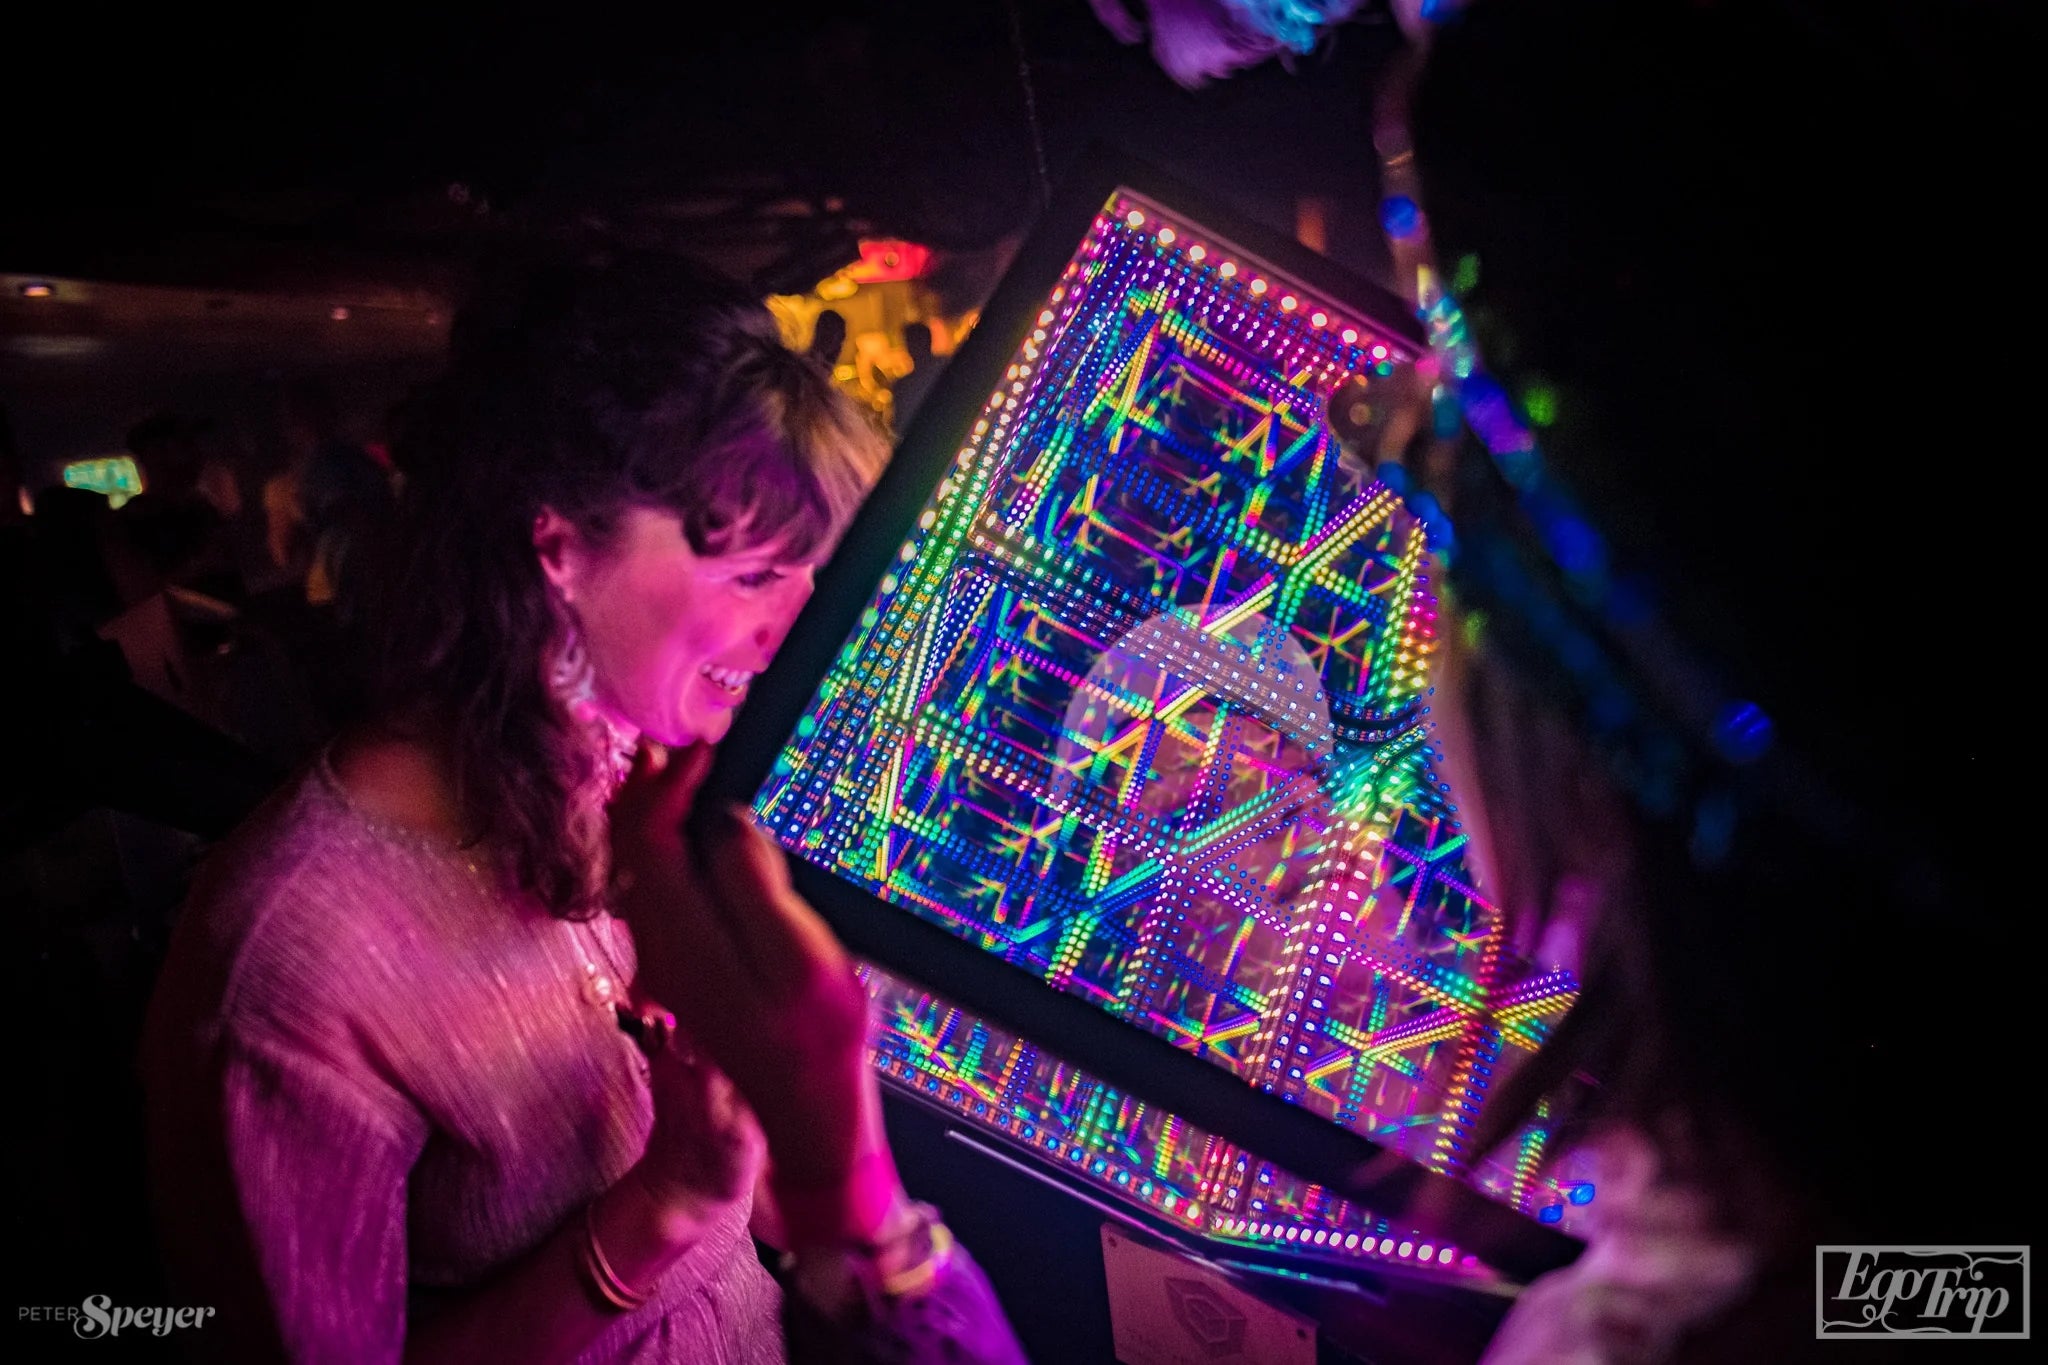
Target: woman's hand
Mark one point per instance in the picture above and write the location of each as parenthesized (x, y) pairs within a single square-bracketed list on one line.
[(759, 985), (1655, 1267), (703, 1151)]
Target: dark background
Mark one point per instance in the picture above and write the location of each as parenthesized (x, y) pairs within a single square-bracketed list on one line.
[(359, 155)]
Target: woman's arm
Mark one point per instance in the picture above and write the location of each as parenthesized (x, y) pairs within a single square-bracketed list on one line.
[(910, 1293), (294, 1221), (552, 1303), (1656, 1267), (767, 992), (547, 1306)]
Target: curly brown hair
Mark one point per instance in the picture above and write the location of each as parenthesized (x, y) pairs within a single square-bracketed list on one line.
[(587, 388)]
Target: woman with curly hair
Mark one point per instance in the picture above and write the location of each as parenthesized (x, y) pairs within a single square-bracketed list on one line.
[(415, 1085)]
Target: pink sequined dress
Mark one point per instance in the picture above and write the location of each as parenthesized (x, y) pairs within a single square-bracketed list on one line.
[(374, 1080)]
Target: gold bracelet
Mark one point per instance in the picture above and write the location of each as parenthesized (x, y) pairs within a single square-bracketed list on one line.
[(905, 1266), (596, 1269), (593, 1280), (914, 1279)]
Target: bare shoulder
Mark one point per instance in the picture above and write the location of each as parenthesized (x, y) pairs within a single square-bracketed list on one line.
[(399, 780)]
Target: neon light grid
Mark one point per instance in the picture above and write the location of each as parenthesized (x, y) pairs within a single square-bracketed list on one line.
[(1141, 710)]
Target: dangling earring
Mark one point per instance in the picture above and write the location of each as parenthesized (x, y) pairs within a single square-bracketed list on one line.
[(572, 679)]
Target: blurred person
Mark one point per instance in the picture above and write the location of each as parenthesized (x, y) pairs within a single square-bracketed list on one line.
[(175, 533), (1197, 41), (332, 497), (163, 448), (104, 790), (227, 481), (910, 390), (1699, 756), (1701, 733), (415, 1086), (219, 482), (86, 734), (327, 516), (828, 338), (189, 630)]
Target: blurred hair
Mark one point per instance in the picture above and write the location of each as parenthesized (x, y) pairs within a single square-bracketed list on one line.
[(589, 388), (1196, 41), (1714, 232)]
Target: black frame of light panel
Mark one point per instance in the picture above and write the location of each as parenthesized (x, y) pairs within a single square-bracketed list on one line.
[(1127, 1058)]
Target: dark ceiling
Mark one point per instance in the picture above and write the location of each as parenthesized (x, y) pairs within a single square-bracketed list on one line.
[(170, 140), (283, 163)]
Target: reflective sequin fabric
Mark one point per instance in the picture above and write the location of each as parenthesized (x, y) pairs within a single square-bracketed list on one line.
[(375, 1079)]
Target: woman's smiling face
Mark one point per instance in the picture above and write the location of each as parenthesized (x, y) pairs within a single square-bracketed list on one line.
[(674, 637)]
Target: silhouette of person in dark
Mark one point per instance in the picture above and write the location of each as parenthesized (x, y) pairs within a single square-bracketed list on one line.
[(103, 786), (910, 390), (1691, 649), (828, 338), (332, 495), (177, 532)]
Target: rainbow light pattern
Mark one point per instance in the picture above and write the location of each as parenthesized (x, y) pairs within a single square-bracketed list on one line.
[(1141, 709)]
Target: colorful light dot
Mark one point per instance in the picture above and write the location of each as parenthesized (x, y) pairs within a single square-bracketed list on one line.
[(1400, 216)]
